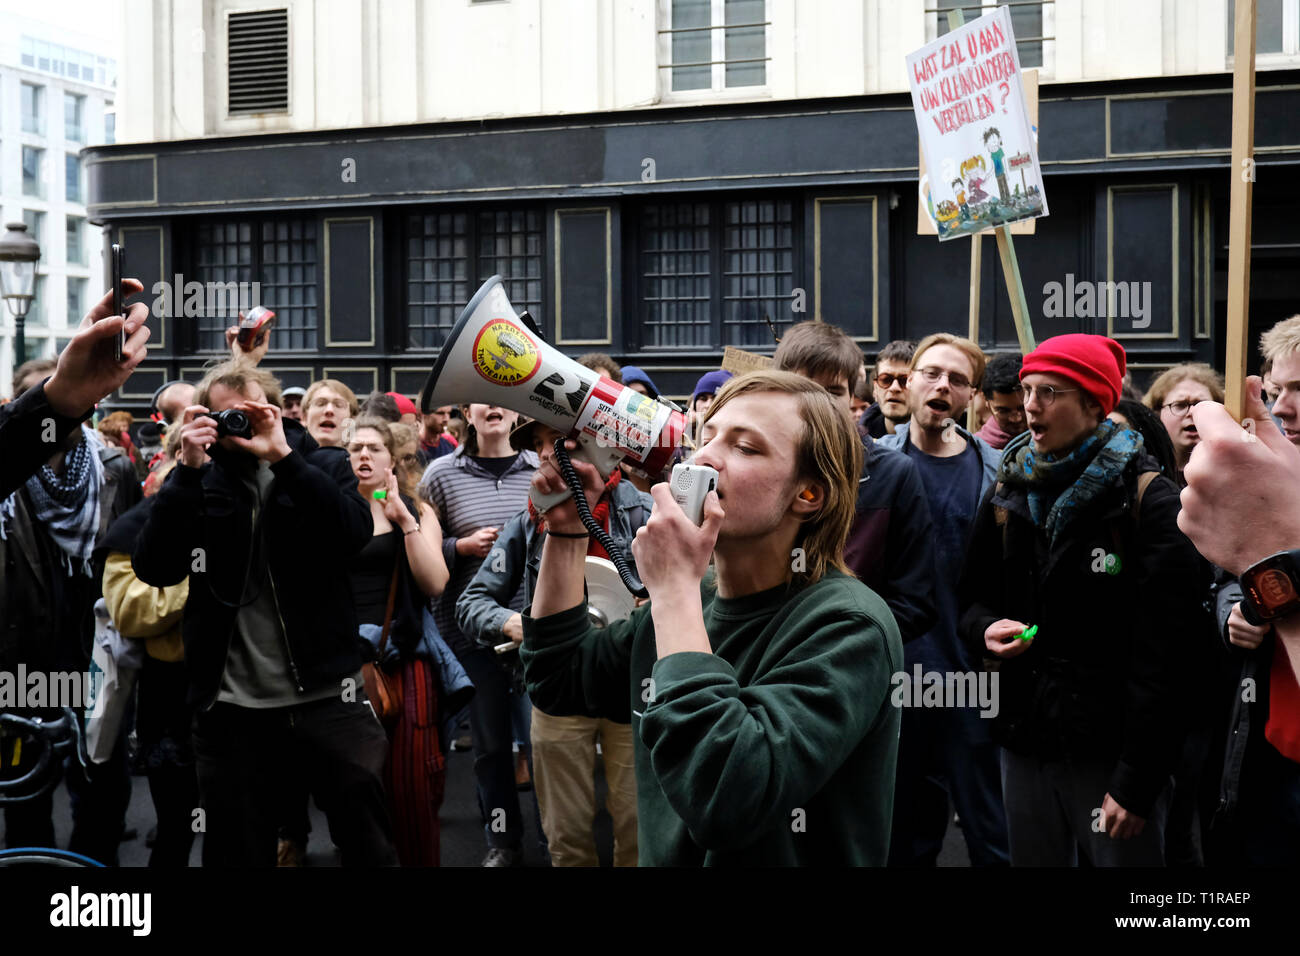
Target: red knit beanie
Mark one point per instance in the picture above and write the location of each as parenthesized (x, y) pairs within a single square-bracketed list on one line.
[(1094, 362)]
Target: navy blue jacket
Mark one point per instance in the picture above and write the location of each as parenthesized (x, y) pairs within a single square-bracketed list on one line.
[(889, 546)]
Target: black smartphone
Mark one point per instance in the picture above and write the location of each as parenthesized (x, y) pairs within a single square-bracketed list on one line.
[(119, 256)]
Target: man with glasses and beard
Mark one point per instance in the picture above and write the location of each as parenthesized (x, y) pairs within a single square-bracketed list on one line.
[(946, 753)]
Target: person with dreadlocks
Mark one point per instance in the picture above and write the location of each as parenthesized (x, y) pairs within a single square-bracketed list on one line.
[(1080, 585), (48, 530)]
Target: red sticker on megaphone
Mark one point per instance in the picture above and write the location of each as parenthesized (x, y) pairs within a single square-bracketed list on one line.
[(505, 354)]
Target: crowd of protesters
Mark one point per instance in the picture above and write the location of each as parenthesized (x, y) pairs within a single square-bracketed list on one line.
[(946, 517)]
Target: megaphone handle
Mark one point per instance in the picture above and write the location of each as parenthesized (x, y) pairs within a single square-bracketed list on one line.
[(630, 580)]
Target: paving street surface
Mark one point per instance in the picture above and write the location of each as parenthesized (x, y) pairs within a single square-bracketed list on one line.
[(462, 832)]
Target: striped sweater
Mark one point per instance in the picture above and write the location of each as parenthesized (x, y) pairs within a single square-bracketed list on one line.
[(467, 497)]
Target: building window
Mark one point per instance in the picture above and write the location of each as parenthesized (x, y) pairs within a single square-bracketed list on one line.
[(33, 347), (757, 270), (27, 49), (288, 253), (1277, 27), (437, 276), (110, 127), (74, 108), (1030, 23), (715, 44), (676, 275), (76, 300), (257, 62), (441, 274), (716, 274), (36, 312), (510, 245), (76, 254), (33, 109), (72, 177), (35, 224), (229, 257), (33, 181)]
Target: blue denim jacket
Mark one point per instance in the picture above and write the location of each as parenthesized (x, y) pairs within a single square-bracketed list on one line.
[(481, 610)]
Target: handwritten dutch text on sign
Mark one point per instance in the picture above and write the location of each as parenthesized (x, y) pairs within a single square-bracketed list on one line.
[(974, 128)]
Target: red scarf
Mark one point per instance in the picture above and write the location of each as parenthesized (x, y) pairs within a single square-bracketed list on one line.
[(600, 513), (1283, 727)]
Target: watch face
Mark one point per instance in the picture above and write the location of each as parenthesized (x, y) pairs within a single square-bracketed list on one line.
[(1271, 586), (1275, 588)]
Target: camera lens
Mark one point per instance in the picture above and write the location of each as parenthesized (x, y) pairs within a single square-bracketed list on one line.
[(233, 422)]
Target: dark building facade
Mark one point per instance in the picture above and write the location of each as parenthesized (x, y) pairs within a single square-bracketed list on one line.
[(663, 235)]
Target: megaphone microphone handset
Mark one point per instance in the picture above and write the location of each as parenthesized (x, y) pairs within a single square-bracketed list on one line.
[(691, 484)]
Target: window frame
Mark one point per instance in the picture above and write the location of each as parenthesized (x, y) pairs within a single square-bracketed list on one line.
[(401, 336), (636, 326), (718, 88), (40, 192), (38, 100), (80, 127), (80, 198), (1289, 55), (1047, 41), (192, 335)]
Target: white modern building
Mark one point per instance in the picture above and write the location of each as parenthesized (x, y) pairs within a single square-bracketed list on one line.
[(56, 97)]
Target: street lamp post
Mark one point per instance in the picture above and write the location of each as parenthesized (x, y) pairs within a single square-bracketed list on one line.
[(19, 254)]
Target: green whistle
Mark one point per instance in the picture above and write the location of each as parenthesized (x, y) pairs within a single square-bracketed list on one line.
[(379, 495), (1027, 634)]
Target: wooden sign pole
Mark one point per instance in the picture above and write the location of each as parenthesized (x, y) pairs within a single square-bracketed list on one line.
[(976, 249), (1015, 290), (1239, 206)]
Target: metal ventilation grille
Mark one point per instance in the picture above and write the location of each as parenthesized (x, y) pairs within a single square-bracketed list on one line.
[(258, 45)]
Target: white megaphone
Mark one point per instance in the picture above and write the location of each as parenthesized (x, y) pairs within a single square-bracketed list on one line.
[(495, 356)]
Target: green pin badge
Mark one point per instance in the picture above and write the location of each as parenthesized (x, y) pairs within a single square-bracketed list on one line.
[(1027, 634), (1113, 564)]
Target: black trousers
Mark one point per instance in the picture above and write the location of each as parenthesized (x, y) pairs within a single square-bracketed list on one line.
[(337, 748)]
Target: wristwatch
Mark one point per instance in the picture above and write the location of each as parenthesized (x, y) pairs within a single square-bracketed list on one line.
[(1271, 588)]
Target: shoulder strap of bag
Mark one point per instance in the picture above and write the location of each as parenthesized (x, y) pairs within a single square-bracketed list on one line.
[(388, 611), (1144, 481)]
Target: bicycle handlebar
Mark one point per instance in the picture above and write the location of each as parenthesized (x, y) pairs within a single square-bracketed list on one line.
[(59, 736)]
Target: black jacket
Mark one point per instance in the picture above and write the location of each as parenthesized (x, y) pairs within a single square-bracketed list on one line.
[(872, 422), (1106, 673), (202, 524), (889, 546), (26, 438)]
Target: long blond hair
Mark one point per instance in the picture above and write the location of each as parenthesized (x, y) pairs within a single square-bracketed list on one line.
[(829, 452)]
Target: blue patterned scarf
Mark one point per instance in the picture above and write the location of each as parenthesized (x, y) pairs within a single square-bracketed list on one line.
[(67, 505), (1060, 489)]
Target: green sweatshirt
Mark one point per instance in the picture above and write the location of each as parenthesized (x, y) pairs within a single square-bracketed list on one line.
[(777, 749)]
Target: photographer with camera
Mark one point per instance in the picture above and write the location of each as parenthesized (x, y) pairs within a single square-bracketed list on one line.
[(270, 639)]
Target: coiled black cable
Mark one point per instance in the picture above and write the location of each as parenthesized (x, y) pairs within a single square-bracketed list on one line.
[(570, 475)]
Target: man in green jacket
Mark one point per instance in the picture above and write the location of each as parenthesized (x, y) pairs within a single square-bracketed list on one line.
[(758, 696)]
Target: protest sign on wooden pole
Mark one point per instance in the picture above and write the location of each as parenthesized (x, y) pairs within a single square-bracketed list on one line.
[(962, 85), (1239, 206)]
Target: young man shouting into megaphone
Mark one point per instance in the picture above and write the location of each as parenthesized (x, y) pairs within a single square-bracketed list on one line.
[(758, 691)]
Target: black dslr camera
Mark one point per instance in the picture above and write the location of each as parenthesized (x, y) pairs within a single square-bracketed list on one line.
[(232, 422)]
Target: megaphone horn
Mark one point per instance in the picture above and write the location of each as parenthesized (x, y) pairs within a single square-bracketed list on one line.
[(492, 357)]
